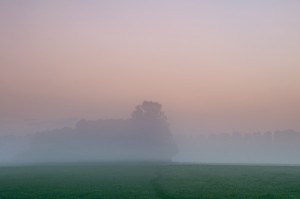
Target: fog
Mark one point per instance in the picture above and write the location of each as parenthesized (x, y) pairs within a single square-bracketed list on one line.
[(146, 137), (280, 147), (226, 72)]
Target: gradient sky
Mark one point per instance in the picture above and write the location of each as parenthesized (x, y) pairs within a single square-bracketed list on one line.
[(214, 65)]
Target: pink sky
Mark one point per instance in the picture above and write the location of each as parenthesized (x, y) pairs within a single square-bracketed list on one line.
[(214, 66)]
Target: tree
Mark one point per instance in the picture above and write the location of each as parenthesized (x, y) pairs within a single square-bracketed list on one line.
[(143, 137), (152, 129)]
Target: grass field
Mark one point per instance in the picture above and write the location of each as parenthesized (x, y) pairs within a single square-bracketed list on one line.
[(150, 181)]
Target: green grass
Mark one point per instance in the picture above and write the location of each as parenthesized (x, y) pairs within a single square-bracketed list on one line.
[(150, 181)]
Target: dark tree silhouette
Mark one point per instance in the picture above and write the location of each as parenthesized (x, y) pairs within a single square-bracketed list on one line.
[(149, 110), (143, 137), (152, 128)]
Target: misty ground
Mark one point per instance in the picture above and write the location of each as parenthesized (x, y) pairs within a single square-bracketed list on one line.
[(150, 181)]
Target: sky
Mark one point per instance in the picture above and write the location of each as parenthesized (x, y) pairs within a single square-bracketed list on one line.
[(215, 66)]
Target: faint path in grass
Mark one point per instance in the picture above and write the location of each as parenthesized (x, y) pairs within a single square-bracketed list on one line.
[(160, 192)]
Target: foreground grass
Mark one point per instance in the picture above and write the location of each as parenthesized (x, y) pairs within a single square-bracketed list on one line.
[(150, 181)]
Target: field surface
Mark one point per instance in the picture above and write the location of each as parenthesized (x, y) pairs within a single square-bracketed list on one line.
[(150, 181)]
